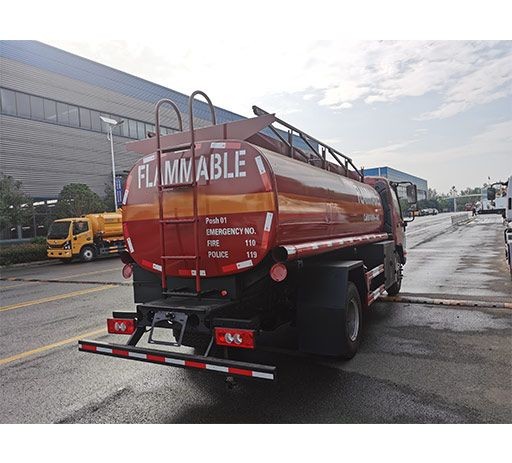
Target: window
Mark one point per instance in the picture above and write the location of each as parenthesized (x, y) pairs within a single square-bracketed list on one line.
[(50, 110), (63, 113), (116, 130), (37, 107), (23, 104), (85, 118), (125, 131), (140, 130), (73, 116), (8, 102), (80, 227), (95, 121), (133, 128), (150, 128)]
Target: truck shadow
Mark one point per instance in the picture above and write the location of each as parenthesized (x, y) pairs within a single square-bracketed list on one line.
[(311, 390), (304, 393)]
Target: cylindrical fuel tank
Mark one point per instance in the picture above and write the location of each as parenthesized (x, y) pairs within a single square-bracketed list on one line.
[(249, 201), (106, 224)]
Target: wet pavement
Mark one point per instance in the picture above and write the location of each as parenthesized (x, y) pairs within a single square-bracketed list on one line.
[(417, 362)]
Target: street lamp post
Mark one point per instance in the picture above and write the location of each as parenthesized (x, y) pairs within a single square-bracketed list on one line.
[(111, 124)]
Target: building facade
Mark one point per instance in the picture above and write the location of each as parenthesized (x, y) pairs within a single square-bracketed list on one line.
[(399, 176)]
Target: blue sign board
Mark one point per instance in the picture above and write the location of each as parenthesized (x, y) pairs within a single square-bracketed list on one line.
[(119, 190)]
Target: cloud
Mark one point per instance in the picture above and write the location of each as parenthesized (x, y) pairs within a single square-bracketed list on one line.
[(488, 82), (337, 73), (463, 74), (385, 151)]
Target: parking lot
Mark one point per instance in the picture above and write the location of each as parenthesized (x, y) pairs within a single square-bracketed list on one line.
[(417, 362)]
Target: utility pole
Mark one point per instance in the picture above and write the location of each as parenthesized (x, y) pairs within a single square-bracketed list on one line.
[(111, 124)]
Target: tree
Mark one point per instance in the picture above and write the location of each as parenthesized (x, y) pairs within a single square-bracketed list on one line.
[(432, 194), (108, 199), (15, 206), (77, 199)]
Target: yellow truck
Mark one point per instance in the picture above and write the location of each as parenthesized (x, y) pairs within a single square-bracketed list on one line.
[(86, 237)]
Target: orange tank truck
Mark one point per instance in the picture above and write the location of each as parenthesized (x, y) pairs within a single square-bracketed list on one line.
[(235, 230)]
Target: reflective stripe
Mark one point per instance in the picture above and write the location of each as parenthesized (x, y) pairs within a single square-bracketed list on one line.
[(268, 221), (125, 196), (260, 374), (149, 158), (244, 264), (193, 364), (103, 349), (259, 163), (374, 295), (157, 267), (217, 368), (175, 361), (130, 245), (239, 371), (188, 272)]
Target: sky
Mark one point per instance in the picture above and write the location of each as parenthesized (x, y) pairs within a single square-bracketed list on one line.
[(440, 110)]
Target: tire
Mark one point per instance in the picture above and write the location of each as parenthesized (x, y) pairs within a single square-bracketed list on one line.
[(353, 317), (394, 289), (87, 254)]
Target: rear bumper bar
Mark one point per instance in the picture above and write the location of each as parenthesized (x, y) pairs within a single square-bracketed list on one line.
[(175, 359)]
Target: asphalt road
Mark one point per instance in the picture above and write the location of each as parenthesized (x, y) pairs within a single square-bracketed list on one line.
[(417, 363)]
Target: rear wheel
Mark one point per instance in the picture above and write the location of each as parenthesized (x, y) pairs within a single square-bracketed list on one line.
[(353, 315), (87, 254), (394, 289)]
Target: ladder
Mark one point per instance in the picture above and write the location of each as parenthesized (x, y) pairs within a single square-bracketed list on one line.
[(162, 189)]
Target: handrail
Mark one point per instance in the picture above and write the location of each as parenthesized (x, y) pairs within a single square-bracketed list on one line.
[(160, 177), (305, 137), (194, 177), (190, 108)]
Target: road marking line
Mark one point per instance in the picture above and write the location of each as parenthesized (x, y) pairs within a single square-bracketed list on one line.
[(54, 298), (89, 273), (56, 278), (38, 350)]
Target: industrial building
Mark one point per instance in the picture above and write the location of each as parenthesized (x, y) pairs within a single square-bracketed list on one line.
[(399, 176)]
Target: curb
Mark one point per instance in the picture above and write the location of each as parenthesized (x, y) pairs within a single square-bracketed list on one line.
[(37, 263), (447, 302)]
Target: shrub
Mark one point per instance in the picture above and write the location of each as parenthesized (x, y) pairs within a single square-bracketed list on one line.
[(39, 240), (19, 253)]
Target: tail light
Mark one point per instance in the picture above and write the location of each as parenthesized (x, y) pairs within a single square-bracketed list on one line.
[(127, 271), (234, 337), (121, 325), (278, 272)]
